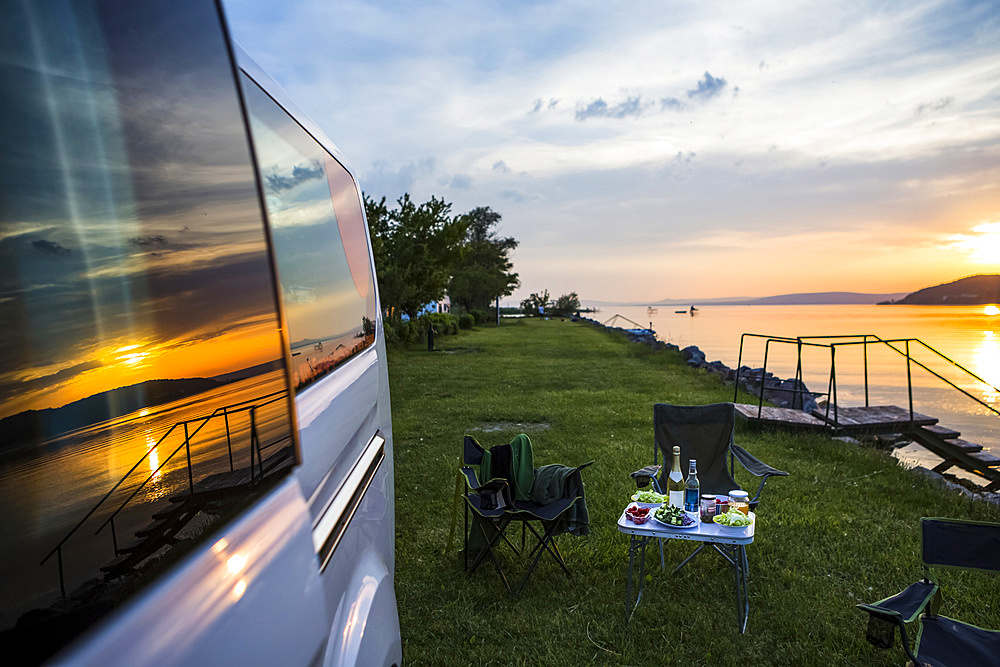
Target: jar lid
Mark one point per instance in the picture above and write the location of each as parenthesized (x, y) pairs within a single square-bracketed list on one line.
[(707, 496), (739, 495)]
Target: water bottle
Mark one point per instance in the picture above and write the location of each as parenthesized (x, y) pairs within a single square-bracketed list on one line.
[(692, 488)]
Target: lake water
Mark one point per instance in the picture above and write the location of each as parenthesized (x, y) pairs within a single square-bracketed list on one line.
[(969, 335), (46, 490)]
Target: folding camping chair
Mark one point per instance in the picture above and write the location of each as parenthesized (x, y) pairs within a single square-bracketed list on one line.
[(949, 543), (704, 433), (494, 506)]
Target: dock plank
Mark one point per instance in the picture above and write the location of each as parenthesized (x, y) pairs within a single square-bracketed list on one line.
[(880, 417), (942, 431), (778, 416), (963, 445)]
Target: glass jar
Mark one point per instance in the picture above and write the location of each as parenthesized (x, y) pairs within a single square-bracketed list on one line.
[(707, 507), (739, 500)]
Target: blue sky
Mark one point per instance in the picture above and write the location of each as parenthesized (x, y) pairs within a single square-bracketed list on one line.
[(641, 151)]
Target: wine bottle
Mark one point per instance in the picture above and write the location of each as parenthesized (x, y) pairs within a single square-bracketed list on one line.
[(675, 482), (692, 488)]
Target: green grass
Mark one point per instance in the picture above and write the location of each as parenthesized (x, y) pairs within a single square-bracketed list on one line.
[(841, 529)]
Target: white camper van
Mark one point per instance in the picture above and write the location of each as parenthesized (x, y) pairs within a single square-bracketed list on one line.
[(195, 432)]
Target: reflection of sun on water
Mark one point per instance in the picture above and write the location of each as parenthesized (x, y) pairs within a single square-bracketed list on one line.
[(154, 458), (991, 310), (987, 363)]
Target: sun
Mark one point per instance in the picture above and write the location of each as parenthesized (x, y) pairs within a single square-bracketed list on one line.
[(991, 310), (982, 245)]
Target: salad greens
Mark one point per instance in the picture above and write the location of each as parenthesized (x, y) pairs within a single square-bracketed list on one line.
[(649, 497), (734, 519)]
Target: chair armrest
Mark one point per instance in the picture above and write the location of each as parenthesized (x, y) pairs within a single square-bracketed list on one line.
[(471, 480), (905, 605), (898, 610), (646, 475), (754, 465)]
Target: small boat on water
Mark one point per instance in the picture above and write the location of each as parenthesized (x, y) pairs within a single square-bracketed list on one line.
[(650, 310)]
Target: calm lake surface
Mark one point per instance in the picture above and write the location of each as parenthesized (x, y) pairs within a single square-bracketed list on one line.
[(44, 492), (969, 335)]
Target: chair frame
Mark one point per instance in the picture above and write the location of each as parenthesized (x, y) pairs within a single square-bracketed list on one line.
[(526, 513), (921, 599)]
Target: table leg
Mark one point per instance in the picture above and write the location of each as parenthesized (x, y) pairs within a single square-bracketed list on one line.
[(635, 543), (742, 567)]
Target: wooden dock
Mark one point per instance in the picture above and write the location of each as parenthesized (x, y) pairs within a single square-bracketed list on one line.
[(880, 420)]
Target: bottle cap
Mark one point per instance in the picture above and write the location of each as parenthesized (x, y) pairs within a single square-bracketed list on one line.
[(738, 494)]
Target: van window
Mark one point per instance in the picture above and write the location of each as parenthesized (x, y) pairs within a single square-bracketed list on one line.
[(320, 242), (141, 362)]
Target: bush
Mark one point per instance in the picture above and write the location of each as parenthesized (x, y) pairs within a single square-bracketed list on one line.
[(444, 323), (466, 321), (481, 316)]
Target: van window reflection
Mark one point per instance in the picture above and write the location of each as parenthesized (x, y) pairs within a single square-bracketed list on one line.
[(320, 242), (140, 329)]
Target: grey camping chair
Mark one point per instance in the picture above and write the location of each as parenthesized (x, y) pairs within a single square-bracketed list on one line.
[(948, 543), (704, 433)]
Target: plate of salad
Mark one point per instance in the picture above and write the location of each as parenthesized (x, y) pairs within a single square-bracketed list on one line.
[(674, 517), (649, 498)]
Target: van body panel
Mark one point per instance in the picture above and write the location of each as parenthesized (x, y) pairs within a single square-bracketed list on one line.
[(253, 596), (274, 491)]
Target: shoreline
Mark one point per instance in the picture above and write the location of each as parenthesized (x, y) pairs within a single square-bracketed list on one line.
[(782, 393)]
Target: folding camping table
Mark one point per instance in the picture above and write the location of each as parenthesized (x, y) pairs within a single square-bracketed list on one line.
[(729, 543)]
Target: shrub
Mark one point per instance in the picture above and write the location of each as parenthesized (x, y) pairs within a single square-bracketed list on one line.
[(466, 321), (480, 316)]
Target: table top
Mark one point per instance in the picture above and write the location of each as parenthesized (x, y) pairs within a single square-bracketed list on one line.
[(703, 532)]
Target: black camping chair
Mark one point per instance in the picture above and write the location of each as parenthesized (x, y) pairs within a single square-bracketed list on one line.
[(947, 543), (704, 433), (493, 508)]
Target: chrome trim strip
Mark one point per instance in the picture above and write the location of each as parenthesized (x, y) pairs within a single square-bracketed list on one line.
[(330, 527)]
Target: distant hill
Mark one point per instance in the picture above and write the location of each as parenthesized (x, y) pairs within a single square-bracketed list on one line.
[(971, 291), (39, 425), (800, 299), (823, 298)]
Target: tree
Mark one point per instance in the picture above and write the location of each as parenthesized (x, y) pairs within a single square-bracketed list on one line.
[(567, 304), (415, 248), (534, 304), (483, 271)]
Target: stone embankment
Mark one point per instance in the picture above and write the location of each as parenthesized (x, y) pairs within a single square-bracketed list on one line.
[(780, 393)]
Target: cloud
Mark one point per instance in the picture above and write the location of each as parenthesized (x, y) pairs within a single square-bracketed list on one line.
[(671, 103), (49, 247), (633, 106), (937, 105), (709, 86), (300, 174), (521, 195), (157, 240), (461, 182), (384, 179), (501, 167)]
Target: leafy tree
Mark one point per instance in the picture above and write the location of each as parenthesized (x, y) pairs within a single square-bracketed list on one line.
[(534, 303), (567, 304), (415, 248), (483, 271)]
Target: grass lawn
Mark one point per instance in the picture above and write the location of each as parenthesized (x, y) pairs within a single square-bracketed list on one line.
[(841, 529)]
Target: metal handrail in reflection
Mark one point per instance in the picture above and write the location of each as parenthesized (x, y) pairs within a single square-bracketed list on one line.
[(223, 411)]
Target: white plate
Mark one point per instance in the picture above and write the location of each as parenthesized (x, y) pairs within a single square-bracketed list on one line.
[(732, 528)]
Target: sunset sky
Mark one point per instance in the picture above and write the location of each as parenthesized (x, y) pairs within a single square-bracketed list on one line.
[(641, 151)]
